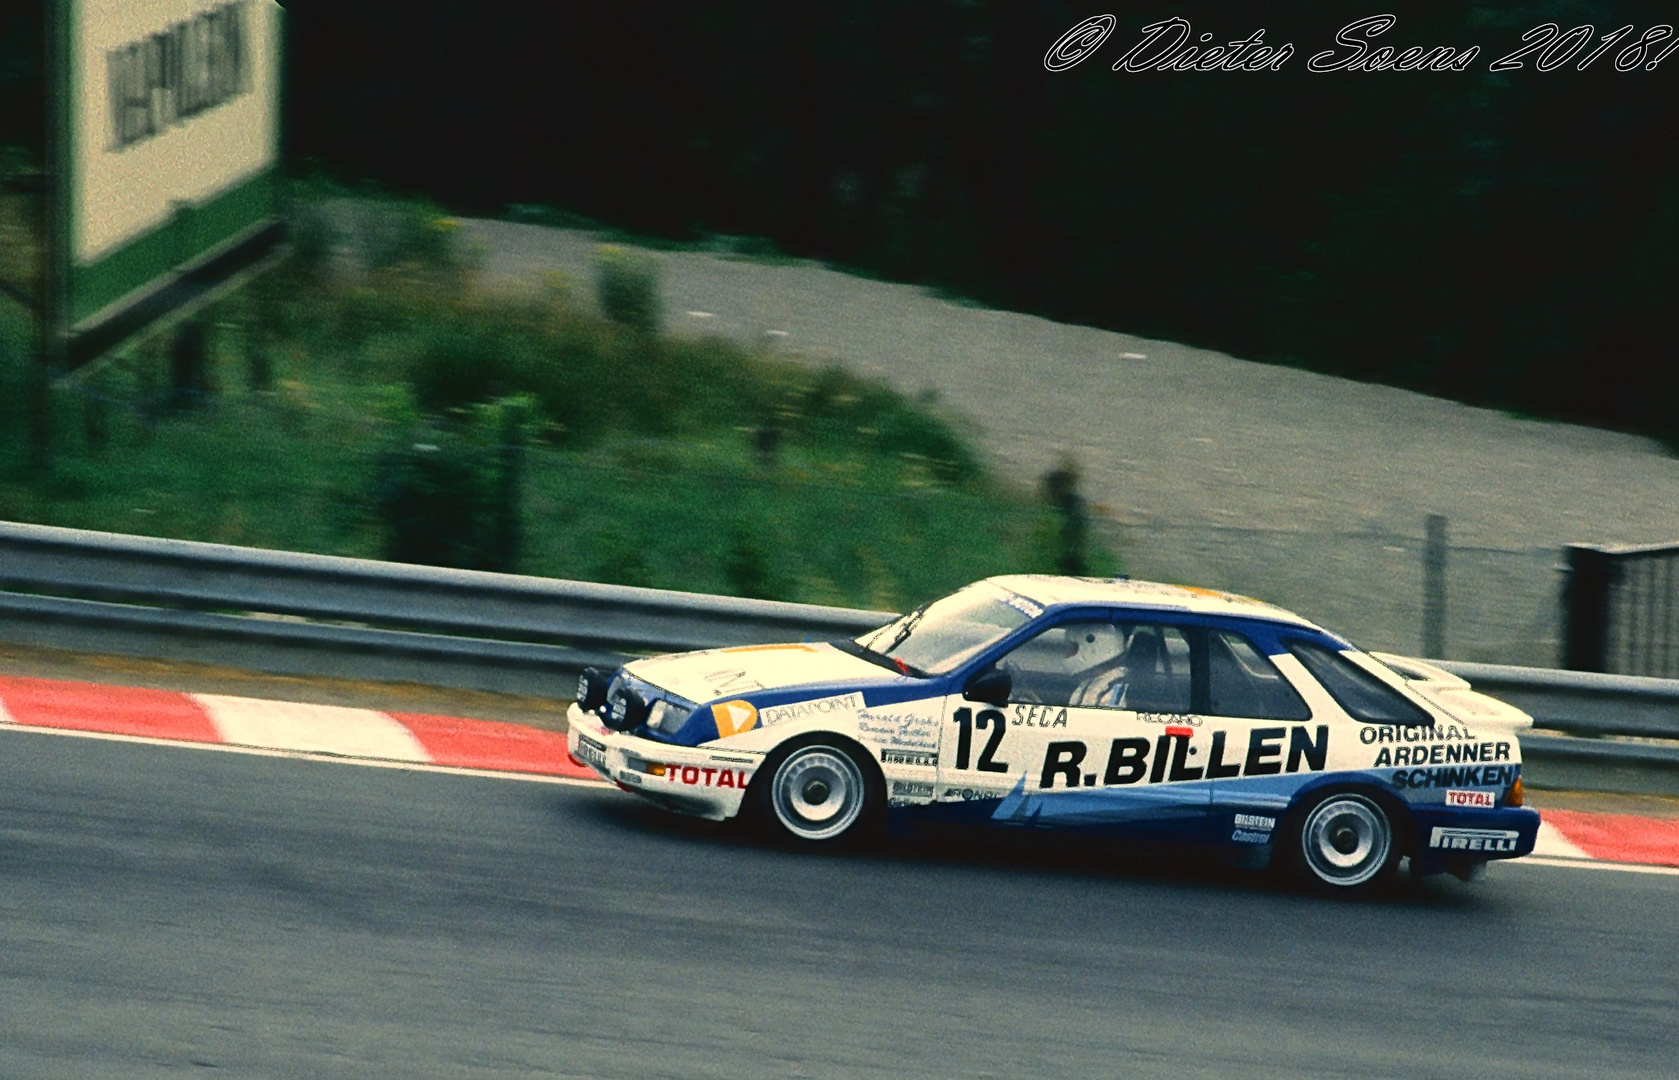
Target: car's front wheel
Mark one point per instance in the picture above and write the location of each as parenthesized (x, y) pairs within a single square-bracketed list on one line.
[(1345, 842), (819, 793)]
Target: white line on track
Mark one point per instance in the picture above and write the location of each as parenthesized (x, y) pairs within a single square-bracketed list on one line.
[(305, 755), (5, 717), (1593, 864)]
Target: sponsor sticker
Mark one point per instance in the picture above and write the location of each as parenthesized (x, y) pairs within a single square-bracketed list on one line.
[(734, 717), (924, 758), (1255, 821), (1242, 836), (801, 710), (1473, 839), (1471, 798), (912, 789)]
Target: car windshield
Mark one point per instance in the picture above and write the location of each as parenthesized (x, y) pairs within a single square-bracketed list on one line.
[(936, 638)]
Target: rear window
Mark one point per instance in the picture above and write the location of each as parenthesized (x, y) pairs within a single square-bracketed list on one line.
[(1242, 682), (1361, 694)]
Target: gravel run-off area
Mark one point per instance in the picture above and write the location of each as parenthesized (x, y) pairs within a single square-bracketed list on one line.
[(1301, 489)]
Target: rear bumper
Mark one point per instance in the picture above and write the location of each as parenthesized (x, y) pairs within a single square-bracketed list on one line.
[(684, 779), (1450, 838)]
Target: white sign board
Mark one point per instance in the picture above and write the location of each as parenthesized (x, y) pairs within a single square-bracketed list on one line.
[(173, 119)]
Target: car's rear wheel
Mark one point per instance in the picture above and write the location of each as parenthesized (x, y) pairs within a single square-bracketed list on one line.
[(818, 793), (1345, 842)]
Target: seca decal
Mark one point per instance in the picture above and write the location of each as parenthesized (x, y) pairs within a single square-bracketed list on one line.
[(704, 776), (1400, 733), (1441, 755), (1483, 775), (925, 758), (734, 717), (907, 731), (1473, 839), (1039, 716), (1129, 760), (799, 710), (1471, 798)]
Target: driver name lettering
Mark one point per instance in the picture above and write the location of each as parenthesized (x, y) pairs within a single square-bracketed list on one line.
[(1166, 758)]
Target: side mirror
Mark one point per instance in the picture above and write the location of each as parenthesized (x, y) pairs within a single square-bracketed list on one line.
[(990, 687)]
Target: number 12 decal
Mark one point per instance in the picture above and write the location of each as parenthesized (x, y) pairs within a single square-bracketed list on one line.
[(966, 721)]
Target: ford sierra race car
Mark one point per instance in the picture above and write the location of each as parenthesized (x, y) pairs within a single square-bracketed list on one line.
[(1153, 713)]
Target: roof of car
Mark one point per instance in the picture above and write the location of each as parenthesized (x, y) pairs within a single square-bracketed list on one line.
[(1049, 590)]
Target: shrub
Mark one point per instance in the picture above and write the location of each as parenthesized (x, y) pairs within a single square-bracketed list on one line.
[(450, 495), (627, 286)]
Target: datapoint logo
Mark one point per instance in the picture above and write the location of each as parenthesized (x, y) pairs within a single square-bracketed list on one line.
[(734, 717)]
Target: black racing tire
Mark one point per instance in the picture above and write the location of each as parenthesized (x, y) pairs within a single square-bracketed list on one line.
[(819, 792), (1343, 843)]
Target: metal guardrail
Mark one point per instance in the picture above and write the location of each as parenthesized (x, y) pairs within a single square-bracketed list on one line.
[(317, 614), (323, 615)]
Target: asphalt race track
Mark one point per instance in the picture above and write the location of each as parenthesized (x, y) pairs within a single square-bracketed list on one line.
[(166, 911)]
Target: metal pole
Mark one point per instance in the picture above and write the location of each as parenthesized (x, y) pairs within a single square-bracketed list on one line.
[(1434, 589), (54, 253)]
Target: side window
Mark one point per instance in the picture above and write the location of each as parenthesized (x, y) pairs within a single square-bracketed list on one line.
[(1148, 672), (1360, 693), (1241, 681), (1050, 668)]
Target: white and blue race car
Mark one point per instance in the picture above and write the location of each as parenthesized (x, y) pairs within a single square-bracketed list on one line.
[(1155, 713)]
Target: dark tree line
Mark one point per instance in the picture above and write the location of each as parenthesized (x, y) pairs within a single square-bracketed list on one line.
[(1505, 239)]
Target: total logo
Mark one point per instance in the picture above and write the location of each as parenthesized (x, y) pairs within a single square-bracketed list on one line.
[(703, 775)]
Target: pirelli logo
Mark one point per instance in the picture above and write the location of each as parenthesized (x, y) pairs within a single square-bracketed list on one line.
[(1473, 839)]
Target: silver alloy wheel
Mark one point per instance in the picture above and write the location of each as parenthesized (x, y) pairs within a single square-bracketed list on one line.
[(1346, 840), (817, 793)]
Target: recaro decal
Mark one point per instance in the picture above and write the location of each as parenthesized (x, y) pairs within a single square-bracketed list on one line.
[(1165, 759)]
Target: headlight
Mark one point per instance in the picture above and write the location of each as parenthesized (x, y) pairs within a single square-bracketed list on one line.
[(667, 716)]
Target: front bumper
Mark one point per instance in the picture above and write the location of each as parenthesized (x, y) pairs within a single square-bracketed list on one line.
[(685, 779)]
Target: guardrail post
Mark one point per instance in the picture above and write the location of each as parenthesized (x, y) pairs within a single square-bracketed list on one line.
[(1585, 607), (1434, 588)]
